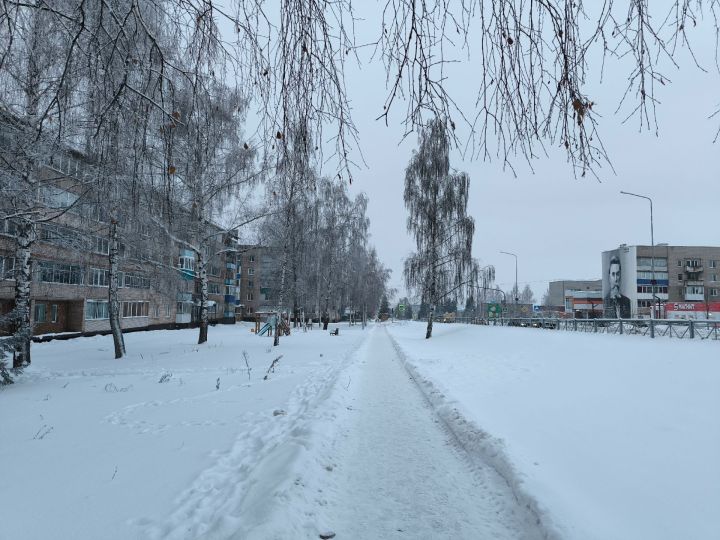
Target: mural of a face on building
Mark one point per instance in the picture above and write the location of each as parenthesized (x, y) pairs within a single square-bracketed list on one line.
[(617, 306), (614, 277)]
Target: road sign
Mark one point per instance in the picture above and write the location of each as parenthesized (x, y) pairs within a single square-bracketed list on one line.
[(493, 310)]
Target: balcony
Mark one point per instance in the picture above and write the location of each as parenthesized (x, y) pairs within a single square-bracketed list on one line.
[(693, 269), (695, 297)]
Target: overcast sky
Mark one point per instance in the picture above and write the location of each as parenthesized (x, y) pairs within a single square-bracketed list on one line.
[(559, 225)]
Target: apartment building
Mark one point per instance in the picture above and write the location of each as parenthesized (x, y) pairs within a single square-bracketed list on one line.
[(662, 281), (257, 275), (70, 261)]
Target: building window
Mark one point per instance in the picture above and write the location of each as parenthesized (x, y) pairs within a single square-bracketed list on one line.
[(7, 268), (54, 313), (714, 277), (693, 263), (135, 309), (713, 264), (249, 296), (649, 275), (56, 197), (251, 271), (39, 314), (102, 245), (713, 292), (680, 277), (135, 281), (231, 290), (99, 277), (213, 288), (167, 311), (694, 289), (251, 258), (250, 284), (62, 236), (660, 262), (186, 263), (679, 263), (96, 310), (52, 272), (648, 289)]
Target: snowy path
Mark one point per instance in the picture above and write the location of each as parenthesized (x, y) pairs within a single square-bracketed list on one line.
[(390, 468)]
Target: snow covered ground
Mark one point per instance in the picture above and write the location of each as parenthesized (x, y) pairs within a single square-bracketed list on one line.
[(95, 448), (480, 432), (614, 437)]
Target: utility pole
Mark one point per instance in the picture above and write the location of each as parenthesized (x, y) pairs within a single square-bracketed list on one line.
[(652, 243), (517, 291)]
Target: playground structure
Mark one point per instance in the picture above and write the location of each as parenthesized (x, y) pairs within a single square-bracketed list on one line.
[(270, 325)]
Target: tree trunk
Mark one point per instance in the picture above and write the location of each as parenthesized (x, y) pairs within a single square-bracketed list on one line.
[(317, 295), (113, 300), (26, 236), (204, 318), (431, 315), (283, 268)]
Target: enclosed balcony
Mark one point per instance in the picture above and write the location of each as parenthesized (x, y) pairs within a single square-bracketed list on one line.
[(694, 293)]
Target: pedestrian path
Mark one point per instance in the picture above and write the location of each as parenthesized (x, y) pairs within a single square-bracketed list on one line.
[(398, 472)]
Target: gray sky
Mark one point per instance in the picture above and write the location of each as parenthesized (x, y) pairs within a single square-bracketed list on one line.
[(559, 225)]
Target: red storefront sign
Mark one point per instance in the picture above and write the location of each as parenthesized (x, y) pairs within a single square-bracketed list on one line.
[(692, 306)]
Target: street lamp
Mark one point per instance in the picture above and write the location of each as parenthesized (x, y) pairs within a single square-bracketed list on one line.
[(504, 300), (652, 243), (517, 292)]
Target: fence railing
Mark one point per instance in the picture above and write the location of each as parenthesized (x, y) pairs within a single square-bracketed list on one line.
[(680, 329)]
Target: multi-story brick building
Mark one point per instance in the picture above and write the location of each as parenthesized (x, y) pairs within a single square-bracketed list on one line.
[(70, 261), (662, 281), (257, 276)]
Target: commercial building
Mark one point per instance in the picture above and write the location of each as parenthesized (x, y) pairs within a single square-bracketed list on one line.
[(562, 295), (662, 281)]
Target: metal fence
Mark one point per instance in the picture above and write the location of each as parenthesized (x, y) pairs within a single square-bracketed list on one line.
[(680, 329)]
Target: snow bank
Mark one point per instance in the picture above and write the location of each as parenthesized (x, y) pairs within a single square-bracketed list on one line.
[(613, 436)]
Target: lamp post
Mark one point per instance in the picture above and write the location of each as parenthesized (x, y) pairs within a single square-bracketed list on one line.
[(504, 300), (652, 243), (517, 292)]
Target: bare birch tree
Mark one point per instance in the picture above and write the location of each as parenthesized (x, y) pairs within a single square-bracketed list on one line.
[(207, 168), (436, 199)]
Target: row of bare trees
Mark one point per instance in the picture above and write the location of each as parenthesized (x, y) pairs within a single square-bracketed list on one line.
[(124, 120), (119, 120), (320, 236), (134, 84)]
